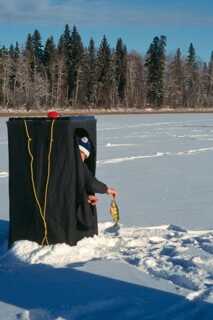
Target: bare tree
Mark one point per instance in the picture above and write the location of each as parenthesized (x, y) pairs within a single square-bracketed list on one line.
[(5, 66), (135, 88), (60, 87), (174, 82)]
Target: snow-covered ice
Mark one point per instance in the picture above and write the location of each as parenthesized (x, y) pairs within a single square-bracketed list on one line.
[(158, 264)]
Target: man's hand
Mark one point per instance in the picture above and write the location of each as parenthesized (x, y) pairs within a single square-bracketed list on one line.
[(112, 192), (92, 199)]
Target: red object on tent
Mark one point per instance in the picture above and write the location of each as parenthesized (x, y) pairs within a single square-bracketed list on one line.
[(53, 114)]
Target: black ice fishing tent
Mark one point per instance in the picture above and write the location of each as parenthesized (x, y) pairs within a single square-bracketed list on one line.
[(45, 178)]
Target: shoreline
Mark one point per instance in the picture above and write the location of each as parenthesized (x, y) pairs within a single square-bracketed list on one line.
[(68, 112)]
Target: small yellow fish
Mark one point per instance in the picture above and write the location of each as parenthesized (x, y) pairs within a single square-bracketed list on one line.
[(114, 211)]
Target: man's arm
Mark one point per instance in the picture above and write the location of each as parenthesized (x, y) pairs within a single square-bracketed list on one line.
[(93, 185)]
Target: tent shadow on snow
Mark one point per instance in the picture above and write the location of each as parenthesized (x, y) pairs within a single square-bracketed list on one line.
[(76, 294), (81, 295), (4, 225)]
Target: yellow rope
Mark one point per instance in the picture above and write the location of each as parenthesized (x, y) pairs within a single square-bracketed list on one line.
[(48, 178), (42, 212)]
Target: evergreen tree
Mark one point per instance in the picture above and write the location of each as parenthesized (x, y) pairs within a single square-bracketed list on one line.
[(191, 78), (60, 46), (178, 67), (29, 44), (104, 72), (65, 41), (37, 48), (83, 81), (49, 52), (11, 51), (87, 76), (71, 48), (64, 54), (4, 51), (91, 72), (49, 60), (29, 53), (155, 64), (17, 50), (191, 58), (121, 68), (210, 85), (75, 54)]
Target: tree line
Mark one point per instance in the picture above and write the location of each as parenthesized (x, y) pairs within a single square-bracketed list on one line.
[(71, 75)]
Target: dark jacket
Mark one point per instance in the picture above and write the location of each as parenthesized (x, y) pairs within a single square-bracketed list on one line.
[(92, 184), (87, 213)]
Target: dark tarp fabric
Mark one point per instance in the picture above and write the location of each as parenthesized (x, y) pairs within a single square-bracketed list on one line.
[(69, 217)]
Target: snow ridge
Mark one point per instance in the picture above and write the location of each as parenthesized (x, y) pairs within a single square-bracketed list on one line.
[(155, 155), (3, 174)]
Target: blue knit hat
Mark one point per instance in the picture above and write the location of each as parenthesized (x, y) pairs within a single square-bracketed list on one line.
[(85, 146)]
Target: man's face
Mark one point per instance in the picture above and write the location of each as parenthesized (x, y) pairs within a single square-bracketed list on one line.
[(82, 155)]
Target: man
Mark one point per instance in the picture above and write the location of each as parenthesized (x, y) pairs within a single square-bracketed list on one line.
[(93, 185), (87, 187)]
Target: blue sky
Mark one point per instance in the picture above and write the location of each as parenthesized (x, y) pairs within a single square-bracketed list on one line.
[(136, 21)]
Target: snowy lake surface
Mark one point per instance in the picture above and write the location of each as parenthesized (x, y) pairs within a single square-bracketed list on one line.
[(160, 164), (162, 254)]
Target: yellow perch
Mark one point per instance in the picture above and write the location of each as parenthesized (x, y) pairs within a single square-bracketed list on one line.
[(114, 211)]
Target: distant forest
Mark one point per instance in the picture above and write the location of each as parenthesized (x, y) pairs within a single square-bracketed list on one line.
[(71, 75)]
